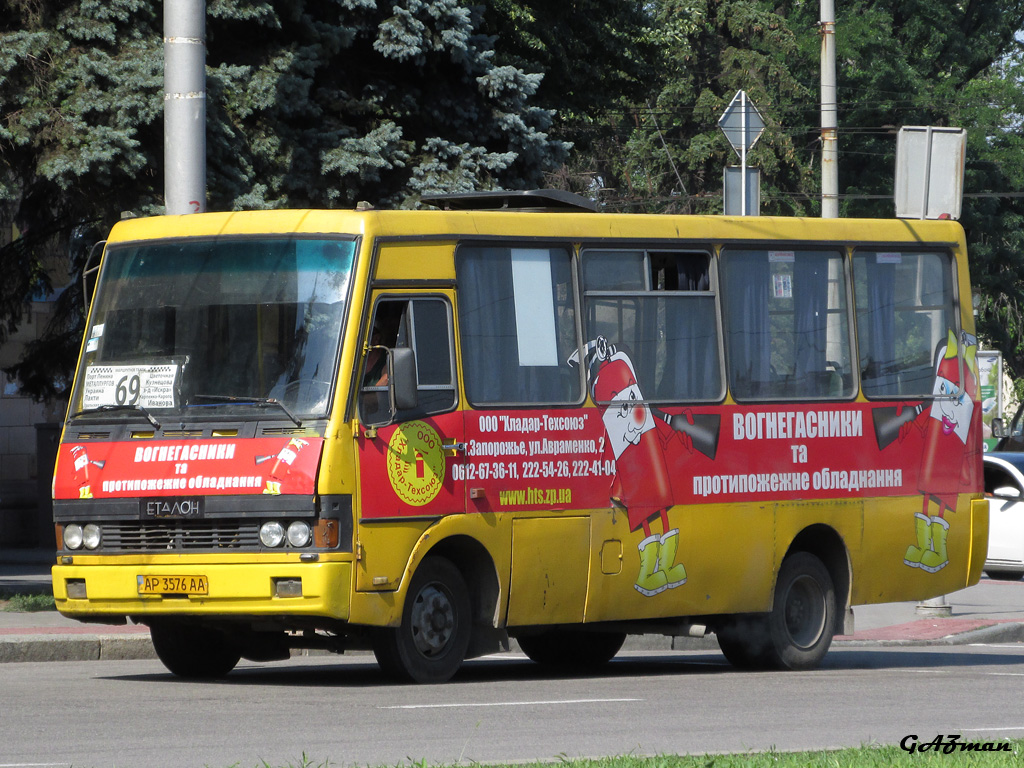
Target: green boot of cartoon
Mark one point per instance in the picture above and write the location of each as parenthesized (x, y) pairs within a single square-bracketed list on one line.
[(924, 541), (675, 573), (651, 581), (935, 559)]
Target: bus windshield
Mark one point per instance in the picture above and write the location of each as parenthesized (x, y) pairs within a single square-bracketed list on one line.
[(188, 327)]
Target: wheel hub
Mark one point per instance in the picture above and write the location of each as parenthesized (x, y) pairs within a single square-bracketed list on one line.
[(433, 620), (805, 612)]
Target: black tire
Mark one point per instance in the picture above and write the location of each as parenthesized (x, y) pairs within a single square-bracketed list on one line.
[(571, 648), (798, 631), (430, 645), (1005, 575), (744, 641), (192, 651), (802, 622)]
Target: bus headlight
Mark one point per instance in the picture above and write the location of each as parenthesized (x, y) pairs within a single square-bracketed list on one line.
[(73, 536), (272, 534), (299, 534), (91, 536)]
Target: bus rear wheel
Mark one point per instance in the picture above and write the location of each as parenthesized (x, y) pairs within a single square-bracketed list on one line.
[(797, 632), (430, 644), (572, 648), (803, 618), (194, 652)]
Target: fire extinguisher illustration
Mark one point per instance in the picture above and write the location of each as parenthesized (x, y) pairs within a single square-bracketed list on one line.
[(81, 464), (282, 466)]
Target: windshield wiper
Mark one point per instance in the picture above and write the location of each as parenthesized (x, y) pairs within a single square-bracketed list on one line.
[(260, 401), (122, 407)]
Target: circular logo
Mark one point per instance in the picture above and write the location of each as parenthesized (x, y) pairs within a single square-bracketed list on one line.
[(416, 463)]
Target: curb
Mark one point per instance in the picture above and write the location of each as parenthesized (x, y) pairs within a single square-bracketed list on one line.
[(76, 648), (1007, 632)]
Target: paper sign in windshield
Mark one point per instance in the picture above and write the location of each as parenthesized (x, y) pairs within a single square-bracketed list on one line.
[(151, 386)]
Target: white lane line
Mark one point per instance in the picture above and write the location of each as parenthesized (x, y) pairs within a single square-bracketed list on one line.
[(1015, 646), (505, 704), (993, 728)]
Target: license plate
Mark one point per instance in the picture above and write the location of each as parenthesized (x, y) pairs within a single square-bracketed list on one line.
[(171, 507), (173, 585)]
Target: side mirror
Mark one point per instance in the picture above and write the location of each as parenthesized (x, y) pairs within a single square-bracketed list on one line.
[(402, 378), (998, 427)]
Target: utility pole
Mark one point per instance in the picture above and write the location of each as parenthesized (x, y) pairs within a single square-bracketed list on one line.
[(185, 106), (829, 123)]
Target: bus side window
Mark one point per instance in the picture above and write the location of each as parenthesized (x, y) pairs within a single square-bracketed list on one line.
[(517, 325), (787, 324), (425, 326), (904, 313), (658, 308)]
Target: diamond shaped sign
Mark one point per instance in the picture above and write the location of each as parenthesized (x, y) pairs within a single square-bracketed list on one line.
[(741, 123)]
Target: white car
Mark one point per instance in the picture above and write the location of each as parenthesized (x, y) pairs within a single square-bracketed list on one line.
[(1004, 489)]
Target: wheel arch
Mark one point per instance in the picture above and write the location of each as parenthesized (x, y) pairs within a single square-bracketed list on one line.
[(477, 568)]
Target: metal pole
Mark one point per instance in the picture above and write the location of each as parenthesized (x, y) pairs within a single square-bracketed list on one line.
[(936, 606), (743, 153), (185, 106), (829, 122), (925, 188)]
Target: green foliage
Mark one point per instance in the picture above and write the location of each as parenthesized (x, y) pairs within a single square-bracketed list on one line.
[(30, 603), (861, 757), (595, 55), (673, 153)]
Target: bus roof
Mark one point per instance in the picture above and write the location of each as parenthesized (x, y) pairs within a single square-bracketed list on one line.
[(478, 224)]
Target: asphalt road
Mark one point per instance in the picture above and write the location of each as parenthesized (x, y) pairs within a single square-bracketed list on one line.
[(498, 709)]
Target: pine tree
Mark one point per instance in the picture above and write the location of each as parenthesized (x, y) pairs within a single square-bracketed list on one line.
[(309, 103)]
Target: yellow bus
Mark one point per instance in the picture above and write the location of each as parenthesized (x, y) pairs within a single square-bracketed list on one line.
[(427, 432)]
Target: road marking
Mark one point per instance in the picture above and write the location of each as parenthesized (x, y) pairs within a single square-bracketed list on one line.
[(1015, 646), (505, 704), (994, 728)]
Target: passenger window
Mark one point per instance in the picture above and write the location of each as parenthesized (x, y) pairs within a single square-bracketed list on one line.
[(658, 309), (787, 326), (424, 325), (517, 324), (904, 315)]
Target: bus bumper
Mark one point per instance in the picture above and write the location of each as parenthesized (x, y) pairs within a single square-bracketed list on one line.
[(106, 592), (979, 540)]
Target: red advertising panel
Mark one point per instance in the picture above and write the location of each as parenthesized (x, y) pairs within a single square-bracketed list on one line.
[(645, 459), (264, 465)]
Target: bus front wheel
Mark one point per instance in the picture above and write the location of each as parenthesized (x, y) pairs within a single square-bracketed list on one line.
[(430, 645), (192, 651)]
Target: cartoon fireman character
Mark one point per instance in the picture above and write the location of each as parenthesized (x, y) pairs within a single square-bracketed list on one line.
[(82, 463), (947, 462), (285, 458), (646, 443)]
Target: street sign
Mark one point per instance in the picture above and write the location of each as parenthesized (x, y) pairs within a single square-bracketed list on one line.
[(929, 171), (733, 190), (741, 123)]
